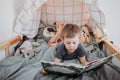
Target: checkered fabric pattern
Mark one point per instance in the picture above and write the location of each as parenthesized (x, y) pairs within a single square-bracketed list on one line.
[(79, 12)]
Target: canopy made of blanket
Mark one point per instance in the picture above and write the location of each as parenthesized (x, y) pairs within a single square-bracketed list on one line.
[(79, 12)]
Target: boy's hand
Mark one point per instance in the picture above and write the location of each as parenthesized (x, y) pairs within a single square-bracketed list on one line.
[(43, 72), (93, 62)]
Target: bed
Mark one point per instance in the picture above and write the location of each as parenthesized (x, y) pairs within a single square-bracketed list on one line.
[(38, 15)]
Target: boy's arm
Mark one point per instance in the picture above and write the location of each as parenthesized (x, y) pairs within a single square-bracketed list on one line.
[(57, 60), (83, 60)]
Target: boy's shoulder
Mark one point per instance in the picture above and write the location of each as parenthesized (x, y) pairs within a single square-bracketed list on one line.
[(60, 44), (80, 45)]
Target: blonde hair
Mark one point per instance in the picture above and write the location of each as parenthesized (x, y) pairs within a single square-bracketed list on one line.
[(70, 31)]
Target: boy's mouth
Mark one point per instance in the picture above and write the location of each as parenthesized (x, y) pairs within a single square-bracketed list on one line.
[(71, 50)]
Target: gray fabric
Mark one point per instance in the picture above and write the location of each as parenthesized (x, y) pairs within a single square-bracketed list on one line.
[(18, 68)]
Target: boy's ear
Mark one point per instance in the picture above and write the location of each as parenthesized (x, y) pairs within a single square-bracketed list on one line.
[(60, 39)]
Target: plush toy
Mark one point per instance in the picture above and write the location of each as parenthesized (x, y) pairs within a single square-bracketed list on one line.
[(26, 50), (49, 31)]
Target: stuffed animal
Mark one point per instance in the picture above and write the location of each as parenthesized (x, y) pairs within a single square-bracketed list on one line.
[(49, 31), (26, 50)]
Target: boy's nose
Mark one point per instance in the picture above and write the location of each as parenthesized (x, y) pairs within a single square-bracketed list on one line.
[(71, 45)]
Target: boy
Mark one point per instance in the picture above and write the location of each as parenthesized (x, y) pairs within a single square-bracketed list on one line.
[(71, 47)]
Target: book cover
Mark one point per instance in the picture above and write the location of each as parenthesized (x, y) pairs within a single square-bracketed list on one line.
[(72, 68)]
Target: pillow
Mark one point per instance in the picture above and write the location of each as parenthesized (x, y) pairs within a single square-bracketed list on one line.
[(71, 68)]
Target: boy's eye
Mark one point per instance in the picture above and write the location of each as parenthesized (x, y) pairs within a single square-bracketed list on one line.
[(71, 43), (74, 43), (68, 43)]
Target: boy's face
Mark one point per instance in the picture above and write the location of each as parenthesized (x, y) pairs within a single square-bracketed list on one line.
[(71, 44)]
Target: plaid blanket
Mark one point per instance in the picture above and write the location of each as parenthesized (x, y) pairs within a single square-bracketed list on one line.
[(79, 12)]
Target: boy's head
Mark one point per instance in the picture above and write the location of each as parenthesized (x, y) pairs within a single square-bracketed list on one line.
[(70, 31), (71, 37)]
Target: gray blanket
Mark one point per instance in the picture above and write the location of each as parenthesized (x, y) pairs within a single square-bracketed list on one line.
[(18, 68)]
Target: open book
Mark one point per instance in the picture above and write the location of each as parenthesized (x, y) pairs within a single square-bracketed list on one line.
[(71, 68)]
